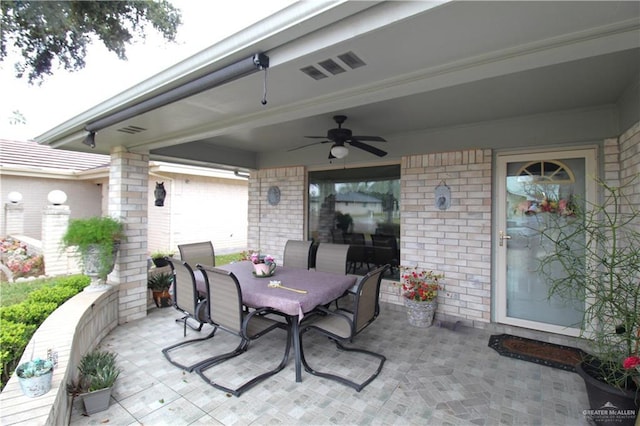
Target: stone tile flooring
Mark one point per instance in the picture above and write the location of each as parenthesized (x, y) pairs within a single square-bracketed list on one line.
[(432, 376)]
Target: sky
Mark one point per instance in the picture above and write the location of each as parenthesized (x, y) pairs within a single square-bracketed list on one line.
[(67, 94)]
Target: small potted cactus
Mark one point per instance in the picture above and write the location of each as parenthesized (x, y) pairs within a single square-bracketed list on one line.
[(98, 373)]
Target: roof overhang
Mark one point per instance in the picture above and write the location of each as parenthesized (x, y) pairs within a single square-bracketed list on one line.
[(430, 66)]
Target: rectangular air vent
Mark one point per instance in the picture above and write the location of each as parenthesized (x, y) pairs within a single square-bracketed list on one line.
[(331, 66), (352, 60), (313, 72), (132, 129)]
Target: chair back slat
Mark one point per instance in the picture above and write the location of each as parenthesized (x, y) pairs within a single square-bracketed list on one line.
[(367, 298), (198, 253), (296, 254), (225, 299), (332, 258), (185, 293)]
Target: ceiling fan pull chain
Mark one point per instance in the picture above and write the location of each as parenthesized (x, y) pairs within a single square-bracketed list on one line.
[(264, 91)]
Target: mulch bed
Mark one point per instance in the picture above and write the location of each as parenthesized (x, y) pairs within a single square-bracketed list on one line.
[(549, 354)]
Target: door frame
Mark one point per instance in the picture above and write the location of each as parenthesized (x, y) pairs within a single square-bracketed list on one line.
[(590, 155)]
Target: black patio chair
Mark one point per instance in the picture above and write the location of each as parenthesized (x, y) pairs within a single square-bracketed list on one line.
[(342, 326), (385, 251), (226, 312), (186, 299), (358, 255)]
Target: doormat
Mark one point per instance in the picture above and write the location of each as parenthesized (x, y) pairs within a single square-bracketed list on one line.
[(549, 354)]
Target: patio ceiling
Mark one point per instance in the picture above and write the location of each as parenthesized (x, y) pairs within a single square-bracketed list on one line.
[(429, 66)]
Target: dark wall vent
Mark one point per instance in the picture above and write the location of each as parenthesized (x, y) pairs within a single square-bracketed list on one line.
[(313, 72), (132, 129), (333, 67)]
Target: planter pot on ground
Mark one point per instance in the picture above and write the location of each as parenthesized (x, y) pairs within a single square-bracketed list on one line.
[(420, 314), (36, 386), (162, 299), (96, 401), (608, 405)]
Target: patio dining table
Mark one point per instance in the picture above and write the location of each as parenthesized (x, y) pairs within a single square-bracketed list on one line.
[(321, 288)]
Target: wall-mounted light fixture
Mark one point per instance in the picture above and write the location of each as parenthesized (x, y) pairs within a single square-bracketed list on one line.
[(339, 151), (90, 140), (14, 197)]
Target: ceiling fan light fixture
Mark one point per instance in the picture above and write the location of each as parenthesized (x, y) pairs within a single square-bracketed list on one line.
[(339, 151)]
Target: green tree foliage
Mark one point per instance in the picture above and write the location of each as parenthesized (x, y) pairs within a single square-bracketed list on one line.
[(48, 31)]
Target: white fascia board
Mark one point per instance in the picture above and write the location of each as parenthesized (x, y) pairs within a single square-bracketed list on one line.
[(161, 168)]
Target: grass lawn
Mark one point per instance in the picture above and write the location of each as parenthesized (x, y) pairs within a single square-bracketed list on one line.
[(11, 293)]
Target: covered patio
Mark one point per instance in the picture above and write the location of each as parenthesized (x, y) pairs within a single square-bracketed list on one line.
[(432, 376), (457, 89)]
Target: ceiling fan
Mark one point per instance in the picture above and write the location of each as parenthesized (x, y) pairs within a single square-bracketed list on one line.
[(339, 136)]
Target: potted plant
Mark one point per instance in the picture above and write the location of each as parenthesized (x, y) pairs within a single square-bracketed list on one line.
[(35, 377), (263, 265), (159, 258), (97, 240), (420, 294), (97, 374), (594, 257), (159, 284)]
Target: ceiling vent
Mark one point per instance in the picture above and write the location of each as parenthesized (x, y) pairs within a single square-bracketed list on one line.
[(132, 130), (333, 67), (352, 60), (313, 72)]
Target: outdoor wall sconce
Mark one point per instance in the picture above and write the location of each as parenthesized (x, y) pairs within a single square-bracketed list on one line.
[(443, 196), (57, 197), (14, 197), (160, 193)]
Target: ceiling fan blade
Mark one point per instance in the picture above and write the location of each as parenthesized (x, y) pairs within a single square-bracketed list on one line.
[(316, 137), (372, 149), (369, 138), (305, 146)]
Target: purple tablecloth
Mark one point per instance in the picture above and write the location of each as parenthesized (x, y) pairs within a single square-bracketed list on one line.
[(322, 288)]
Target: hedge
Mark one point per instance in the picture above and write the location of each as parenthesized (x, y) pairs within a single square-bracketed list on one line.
[(20, 321)]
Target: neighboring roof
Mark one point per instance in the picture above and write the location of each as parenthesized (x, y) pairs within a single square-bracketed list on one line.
[(356, 197), (32, 154)]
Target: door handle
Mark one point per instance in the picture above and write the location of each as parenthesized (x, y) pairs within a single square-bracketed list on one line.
[(502, 236)]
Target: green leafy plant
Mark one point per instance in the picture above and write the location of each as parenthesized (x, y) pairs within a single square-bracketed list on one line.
[(101, 233), (595, 257), (161, 254), (97, 370), (160, 282)]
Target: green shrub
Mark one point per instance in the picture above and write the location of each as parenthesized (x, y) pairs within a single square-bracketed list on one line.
[(57, 294), (14, 337), (77, 282), (27, 313)]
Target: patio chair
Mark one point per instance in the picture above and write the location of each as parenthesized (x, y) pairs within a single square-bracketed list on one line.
[(187, 301), (332, 258), (296, 254), (358, 255), (342, 326), (337, 236), (226, 312), (385, 250), (198, 253)]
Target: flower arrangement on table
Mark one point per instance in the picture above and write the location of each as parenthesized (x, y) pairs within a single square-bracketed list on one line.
[(420, 285), (256, 258), (263, 265)]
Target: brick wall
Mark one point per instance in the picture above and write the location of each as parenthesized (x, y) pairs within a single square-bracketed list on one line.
[(271, 226), (456, 241), (629, 146)]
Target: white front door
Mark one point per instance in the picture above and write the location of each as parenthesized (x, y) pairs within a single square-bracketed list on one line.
[(532, 188)]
